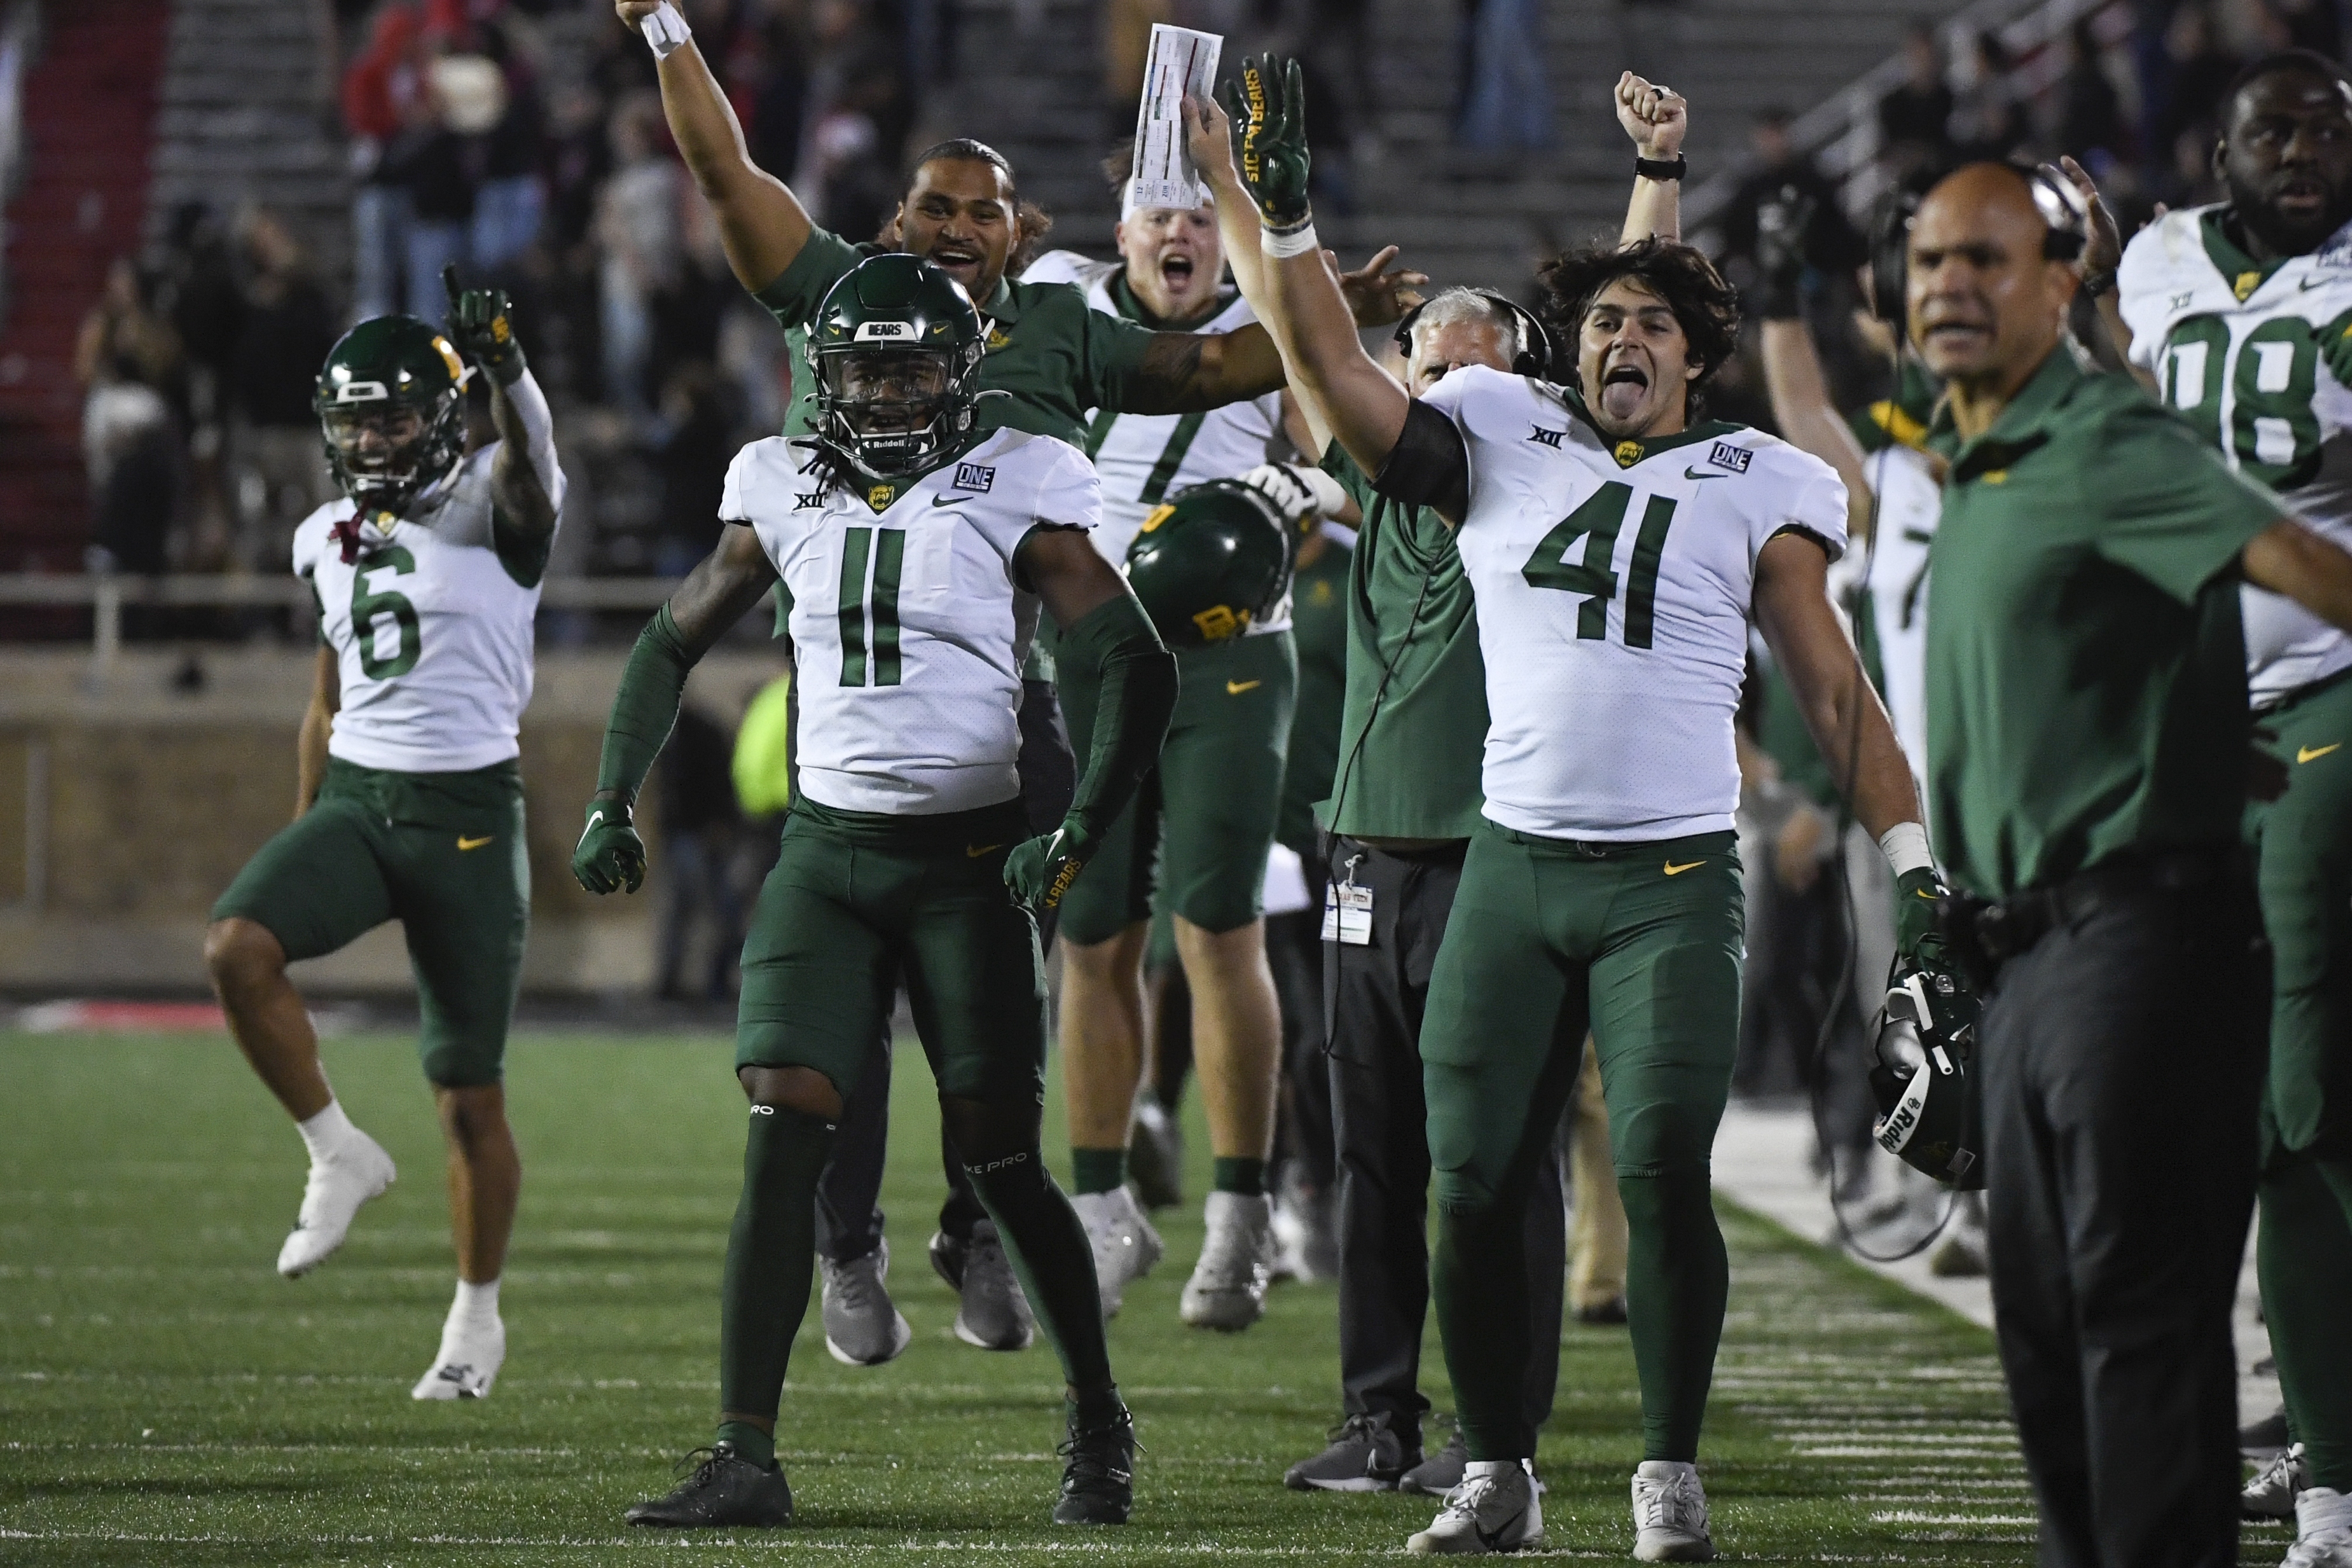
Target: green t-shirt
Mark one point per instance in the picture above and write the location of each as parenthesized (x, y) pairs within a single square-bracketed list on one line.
[(1318, 626), (1056, 355), (1413, 771), (2086, 672)]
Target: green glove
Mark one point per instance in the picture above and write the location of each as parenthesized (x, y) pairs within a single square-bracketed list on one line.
[(1041, 870), (1916, 940), (610, 855), (479, 320), (1273, 139), (2336, 348)]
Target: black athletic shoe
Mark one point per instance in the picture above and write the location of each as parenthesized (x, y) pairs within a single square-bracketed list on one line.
[(1367, 1454), (1098, 1482), (1442, 1471), (724, 1490)]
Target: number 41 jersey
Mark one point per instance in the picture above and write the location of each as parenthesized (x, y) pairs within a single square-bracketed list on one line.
[(1613, 582), (908, 626), (2238, 349)]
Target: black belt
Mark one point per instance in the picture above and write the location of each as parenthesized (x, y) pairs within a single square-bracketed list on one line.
[(1987, 933)]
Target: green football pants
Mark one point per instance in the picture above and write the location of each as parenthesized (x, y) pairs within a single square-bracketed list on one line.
[(1641, 942)]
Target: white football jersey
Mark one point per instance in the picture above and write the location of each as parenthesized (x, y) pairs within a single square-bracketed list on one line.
[(1910, 502), (1148, 458), (432, 636), (2238, 354), (1614, 602), (909, 633)]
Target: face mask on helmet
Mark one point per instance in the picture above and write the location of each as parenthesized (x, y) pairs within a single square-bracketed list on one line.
[(387, 452), (890, 411)]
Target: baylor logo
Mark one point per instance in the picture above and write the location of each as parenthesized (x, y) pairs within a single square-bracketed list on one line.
[(881, 496), (1627, 454), (1219, 623), (1159, 515)]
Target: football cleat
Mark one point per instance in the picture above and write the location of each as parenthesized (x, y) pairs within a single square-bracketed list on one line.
[(1441, 1473), (466, 1365), (1367, 1454), (1670, 1514), (1227, 1290), (993, 1313), (862, 1328), (1098, 1481), (2272, 1493), (338, 1185), (724, 1490), (1494, 1509), (2323, 1530), (1125, 1245)]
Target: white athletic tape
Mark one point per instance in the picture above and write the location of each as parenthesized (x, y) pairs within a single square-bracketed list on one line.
[(664, 30), (1905, 845), (1297, 241)]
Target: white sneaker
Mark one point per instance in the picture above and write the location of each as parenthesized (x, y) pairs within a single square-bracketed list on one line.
[(2272, 1493), (467, 1364), (1670, 1513), (1494, 1509), (2322, 1518), (1227, 1290), (1125, 1245), (338, 1186)]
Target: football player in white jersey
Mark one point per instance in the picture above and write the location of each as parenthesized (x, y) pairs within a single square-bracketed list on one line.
[(1207, 816), (410, 803), (913, 554), (1619, 551), (2240, 315)]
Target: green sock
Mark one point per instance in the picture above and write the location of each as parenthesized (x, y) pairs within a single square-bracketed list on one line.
[(750, 1443), (1676, 1282), (1098, 1170), (1047, 1244), (1242, 1176), (770, 1253)]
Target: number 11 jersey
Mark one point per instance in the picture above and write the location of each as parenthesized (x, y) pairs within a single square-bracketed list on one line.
[(1613, 582)]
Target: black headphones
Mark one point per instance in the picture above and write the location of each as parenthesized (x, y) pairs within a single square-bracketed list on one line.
[(2060, 205), (1536, 359)]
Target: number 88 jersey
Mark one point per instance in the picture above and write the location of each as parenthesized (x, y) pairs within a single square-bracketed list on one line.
[(1613, 582), (2236, 348)]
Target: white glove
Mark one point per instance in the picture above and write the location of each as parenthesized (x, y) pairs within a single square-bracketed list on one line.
[(1297, 491)]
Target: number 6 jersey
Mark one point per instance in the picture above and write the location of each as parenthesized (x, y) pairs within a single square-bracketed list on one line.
[(908, 626), (1613, 582), (432, 634), (2236, 346)]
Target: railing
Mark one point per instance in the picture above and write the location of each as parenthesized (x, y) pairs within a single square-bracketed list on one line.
[(1841, 134), (106, 597), (20, 41)]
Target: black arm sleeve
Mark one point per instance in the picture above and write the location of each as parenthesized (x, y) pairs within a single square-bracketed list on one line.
[(1429, 465)]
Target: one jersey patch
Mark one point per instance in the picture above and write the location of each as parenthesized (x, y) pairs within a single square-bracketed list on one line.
[(1146, 459), (432, 636), (1614, 582), (2241, 355), (908, 630)]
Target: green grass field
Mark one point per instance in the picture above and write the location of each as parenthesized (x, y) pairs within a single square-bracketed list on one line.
[(165, 1398)]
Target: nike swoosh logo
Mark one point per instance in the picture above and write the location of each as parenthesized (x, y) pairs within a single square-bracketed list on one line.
[(2307, 284), (1696, 474), (1674, 870), (466, 843), (949, 500), (1235, 688), (1492, 1540), (2314, 753), (973, 852)]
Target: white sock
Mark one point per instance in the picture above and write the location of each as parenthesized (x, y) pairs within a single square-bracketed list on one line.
[(325, 1133), (1490, 1467), (477, 1306)]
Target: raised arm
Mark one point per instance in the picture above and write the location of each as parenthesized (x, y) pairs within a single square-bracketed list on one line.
[(761, 224), (2102, 256), (1657, 118), (526, 482), (1801, 406), (714, 595)]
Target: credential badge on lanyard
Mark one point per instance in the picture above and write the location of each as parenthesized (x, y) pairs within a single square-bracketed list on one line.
[(1348, 909)]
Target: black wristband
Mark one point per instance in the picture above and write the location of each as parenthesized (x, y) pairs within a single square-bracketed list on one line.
[(2096, 284), (1660, 169)]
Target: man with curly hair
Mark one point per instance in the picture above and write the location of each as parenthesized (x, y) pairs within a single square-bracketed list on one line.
[(1620, 546)]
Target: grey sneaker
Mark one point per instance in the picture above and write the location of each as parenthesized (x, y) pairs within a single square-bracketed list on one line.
[(861, 1326), (1367, 1454), (994, 1315), (1441, 1473), (2272, 1493)]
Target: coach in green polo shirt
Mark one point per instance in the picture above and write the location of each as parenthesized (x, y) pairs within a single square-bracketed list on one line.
[(2088, 742)]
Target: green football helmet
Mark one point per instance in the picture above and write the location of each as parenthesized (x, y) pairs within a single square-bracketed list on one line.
[(894, 352), (1210, 563), (391, 410)]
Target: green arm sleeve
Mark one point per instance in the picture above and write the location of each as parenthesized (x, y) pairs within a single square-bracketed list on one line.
[(644, 707), (1114, 645)]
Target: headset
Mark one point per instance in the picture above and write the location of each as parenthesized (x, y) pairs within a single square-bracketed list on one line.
[(2061, 207), (1539, 358)]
